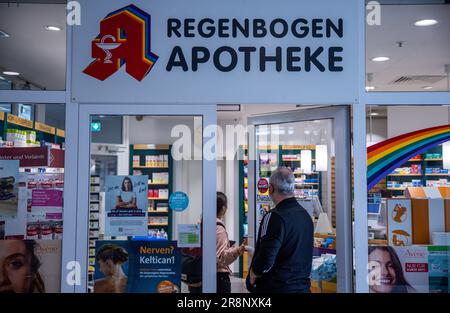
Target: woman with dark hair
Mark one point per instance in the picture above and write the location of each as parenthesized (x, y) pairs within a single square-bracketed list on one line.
[(387, 270), (19, 267), (126, 197), (111, 258), (226, 253)]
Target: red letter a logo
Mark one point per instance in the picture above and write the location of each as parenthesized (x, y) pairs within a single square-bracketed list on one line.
[(124, 39)]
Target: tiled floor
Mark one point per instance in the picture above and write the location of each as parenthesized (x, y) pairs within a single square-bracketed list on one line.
[(237, 286)]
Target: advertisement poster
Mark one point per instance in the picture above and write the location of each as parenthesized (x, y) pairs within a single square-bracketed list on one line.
[(398, 269), (438, 266), (46, 204), (137, 267), (9, 175), (399, 222), (43, 278), (126, 205)]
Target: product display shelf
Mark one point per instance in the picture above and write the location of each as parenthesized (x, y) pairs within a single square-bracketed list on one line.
[(94, 211), (290, 157), (144, 154), (243, 206), (44, 132), (396, 183)]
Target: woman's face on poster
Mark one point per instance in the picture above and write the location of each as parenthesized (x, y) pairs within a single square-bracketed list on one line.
[(385, 276), (127, 184), (15, 270)]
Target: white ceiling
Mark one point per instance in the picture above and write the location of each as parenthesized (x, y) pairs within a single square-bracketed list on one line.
[(425, 50), (39, 55)]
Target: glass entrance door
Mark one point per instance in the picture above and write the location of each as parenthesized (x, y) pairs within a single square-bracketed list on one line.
[(315, 145), (141, 192)]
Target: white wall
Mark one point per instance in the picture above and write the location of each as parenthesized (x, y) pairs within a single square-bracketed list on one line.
[(411, 118), (377, 130)]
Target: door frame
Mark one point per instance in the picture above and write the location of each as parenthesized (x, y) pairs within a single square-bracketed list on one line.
[(340, 114), (209, 117)]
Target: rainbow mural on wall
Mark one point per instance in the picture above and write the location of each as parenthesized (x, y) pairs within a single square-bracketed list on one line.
[(386, 156)]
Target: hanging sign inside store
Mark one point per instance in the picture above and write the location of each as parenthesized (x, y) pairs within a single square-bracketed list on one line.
[(215, 51), (44, 128), (178, 201), (35, 156), (16, 120)]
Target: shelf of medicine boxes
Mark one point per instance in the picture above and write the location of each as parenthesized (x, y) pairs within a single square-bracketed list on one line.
[(430, 158), (44, 132), (295, 150), (143, 150), (243, 204)]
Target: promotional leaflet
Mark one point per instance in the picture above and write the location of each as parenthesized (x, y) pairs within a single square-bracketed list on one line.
[(399, 222), (189, 235), (9, 175), (126, 204), (438, 266), (137, 267), (43, 272)]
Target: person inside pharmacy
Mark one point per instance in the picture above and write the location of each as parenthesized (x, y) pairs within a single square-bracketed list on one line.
[(126, 197), (282, 259), (226, 252)]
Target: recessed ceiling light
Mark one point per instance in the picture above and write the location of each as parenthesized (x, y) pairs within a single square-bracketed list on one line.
[(380, 59), (2, 78), (426, 22), (427, 87), (374, 114), (368, 88), (4, 34), (53, 28), (9, 73)]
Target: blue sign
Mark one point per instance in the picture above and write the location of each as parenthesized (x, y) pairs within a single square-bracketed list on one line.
[(178, 201), (96, 127)]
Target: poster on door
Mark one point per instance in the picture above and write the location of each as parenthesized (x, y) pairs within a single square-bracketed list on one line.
[(399, 222), (39, 266), (126, 205), (398, 269), (9, 175), (137, 267)]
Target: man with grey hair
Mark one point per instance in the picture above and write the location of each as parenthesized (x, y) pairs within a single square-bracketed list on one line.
[(283, 254)]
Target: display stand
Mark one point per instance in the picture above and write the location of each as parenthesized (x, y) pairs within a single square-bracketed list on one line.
[(94, 212), (156, 162)]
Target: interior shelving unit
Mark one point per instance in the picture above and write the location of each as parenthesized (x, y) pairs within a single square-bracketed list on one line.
[(160, 217), (94, 227), (44, 132), (419, 171)]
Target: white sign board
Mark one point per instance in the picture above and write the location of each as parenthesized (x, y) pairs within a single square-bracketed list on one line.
[(208, 51)]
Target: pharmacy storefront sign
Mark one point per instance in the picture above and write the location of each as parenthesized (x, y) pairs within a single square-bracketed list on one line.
[(176, 51)]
